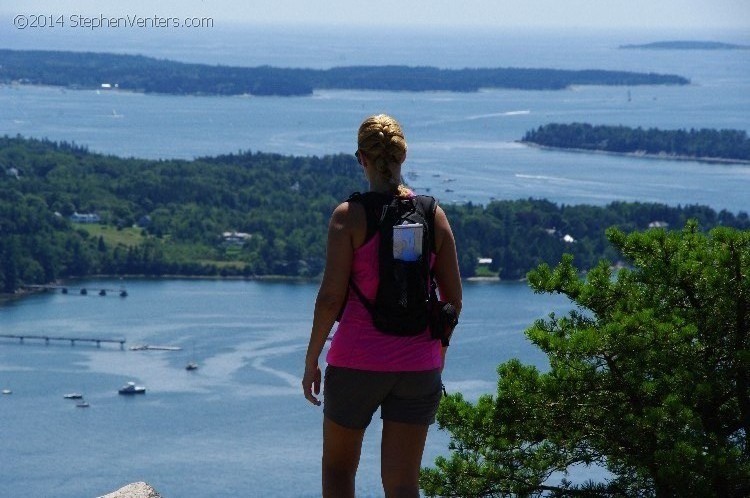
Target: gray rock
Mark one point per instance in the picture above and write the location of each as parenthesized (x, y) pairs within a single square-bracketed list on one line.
[(135, 490)]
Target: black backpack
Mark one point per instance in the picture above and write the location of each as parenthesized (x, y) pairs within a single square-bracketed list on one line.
[(406, 289)]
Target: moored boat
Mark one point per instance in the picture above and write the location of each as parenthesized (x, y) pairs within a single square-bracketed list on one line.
[(131, 388)]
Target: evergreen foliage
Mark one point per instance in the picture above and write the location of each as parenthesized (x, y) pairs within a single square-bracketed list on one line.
[(648, 378), (698, 144), (181, 207), (167, 217), (146, 74)]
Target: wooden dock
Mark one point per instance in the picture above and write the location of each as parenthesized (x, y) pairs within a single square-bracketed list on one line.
[(83, 291), (73, 340)]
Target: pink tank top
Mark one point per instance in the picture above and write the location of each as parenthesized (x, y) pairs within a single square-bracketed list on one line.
[(358, 344)]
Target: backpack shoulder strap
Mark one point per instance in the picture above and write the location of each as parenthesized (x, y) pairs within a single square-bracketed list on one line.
[(373, 205), (428, 205)]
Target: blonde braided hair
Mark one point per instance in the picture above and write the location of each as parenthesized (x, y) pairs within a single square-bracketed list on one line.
[(381, 139)]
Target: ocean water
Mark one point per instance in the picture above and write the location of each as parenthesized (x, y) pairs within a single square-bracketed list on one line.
[(239, 426), (462, 147)]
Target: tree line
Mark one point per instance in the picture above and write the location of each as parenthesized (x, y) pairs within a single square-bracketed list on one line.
[(150, 75), (168, 217), (699, 144)]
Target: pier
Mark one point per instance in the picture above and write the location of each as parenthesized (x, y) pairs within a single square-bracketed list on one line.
[(83, 291), (73, 340)]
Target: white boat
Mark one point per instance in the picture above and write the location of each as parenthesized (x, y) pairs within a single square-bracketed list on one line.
[(131, 388), (82, 404), (73, 396), (7, 391)]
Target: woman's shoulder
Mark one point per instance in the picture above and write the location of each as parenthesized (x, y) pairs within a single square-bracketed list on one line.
[(350, 218), (347, 213)]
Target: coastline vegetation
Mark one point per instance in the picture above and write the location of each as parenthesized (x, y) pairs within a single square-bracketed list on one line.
[(703, 144), (88, 70), (251, 214)]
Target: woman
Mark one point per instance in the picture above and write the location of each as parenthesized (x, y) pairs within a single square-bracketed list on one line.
[(368, 369)]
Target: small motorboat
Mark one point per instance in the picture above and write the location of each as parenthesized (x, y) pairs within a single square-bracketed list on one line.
[(73, 396), (7, 391), (131, 388), (191, 366), (82, 404)]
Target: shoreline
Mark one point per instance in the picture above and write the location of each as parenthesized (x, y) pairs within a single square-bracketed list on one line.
[(643, 155), (25, 291)]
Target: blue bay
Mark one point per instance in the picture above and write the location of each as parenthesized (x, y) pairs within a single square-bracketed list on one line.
[(239, 426)]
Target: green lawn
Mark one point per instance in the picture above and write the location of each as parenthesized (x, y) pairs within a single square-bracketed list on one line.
[(132, 237), (484, 271), (128, 237)]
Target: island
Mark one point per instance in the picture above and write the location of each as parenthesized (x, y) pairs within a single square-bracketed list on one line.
[(698, 145), (687, 45), (107, 71)]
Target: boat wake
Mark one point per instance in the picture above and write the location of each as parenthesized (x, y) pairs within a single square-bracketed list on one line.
[(497, 115), (556, 179)]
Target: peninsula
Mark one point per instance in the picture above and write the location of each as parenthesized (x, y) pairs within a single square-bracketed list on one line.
[(107, 71)]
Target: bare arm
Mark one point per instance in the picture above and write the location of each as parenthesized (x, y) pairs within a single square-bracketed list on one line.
[(446, 264), (331, 295)]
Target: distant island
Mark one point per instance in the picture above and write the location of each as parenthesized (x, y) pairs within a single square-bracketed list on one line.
[(87, 70), (700, 145), (687, 45)]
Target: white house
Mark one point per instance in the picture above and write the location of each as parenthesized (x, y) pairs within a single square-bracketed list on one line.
[(235, 238), (85, 218), (658, 224)]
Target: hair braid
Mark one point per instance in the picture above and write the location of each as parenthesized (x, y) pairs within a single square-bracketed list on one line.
[(381, 139)]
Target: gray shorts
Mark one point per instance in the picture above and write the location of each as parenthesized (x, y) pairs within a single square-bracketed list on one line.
[(351, 397)]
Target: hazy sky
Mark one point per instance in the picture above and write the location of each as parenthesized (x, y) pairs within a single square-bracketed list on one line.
[(499, 13)]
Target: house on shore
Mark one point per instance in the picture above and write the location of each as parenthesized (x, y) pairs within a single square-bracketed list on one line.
[(235, 238), (85, 218)]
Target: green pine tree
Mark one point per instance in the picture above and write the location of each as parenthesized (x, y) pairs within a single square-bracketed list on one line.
[(649, 378)]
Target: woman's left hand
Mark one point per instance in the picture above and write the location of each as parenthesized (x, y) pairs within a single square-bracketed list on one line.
[(311, 383)]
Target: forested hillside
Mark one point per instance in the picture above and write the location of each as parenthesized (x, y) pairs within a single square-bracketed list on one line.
[(252, 214)]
